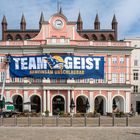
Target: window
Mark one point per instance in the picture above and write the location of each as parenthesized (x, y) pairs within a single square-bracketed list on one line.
[(135, 89), (121, 60), (114, 78), (86, 80), (114, 60), (62, 40), (135, 76), (13, 80), (135, 62), (53, 40), (122, 78)]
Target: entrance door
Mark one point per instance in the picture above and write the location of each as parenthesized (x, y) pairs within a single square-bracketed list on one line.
[(35, 104), (99, 105), (58, 104), (81, 104), (138, 107), (18, 103)]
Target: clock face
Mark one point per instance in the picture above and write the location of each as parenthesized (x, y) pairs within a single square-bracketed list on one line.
[(58, 24)]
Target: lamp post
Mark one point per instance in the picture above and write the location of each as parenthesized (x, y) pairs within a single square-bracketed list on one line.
[(72, 106)]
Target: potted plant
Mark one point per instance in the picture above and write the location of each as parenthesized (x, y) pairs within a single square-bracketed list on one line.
[(47, 113)]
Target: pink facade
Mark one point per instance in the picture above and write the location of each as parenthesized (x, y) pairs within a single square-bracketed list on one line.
[(101, 93)]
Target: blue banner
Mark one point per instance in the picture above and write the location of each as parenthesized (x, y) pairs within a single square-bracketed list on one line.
[(57, 66)]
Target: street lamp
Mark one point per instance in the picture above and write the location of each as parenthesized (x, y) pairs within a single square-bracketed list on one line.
[(72, 105)]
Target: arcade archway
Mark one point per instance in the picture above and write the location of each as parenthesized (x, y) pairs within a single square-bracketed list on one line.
[(100, 105), (118, 103), (35, 103), (18, 103), (81, 104), (58, 104)]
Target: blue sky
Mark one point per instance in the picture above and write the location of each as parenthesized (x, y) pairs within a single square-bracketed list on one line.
[(127, 13)]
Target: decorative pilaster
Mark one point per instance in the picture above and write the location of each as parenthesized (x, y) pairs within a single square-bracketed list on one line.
[(91, 101), (128, 103), (109, 69), (109, 105)]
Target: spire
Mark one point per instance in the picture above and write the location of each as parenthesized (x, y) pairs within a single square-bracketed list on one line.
[(97, 23), (41, 20), (4, 21), (79, 18), (79, 22), (4, 24), (97, 18), (115, 26), (23, 20), (23, 23), (114, 20), (60, 10)]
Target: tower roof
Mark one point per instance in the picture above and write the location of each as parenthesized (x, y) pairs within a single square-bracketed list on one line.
[(60, 10), (23, 19), (4, 21), (97, 18), (41, 18), (114, 20), (79, 18)]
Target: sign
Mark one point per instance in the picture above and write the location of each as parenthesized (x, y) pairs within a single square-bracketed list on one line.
[(57, 66)]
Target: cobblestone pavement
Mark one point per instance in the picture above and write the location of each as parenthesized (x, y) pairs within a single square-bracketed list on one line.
[(69, 133)]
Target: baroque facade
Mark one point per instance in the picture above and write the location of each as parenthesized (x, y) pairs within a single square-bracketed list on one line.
[(58, 36)]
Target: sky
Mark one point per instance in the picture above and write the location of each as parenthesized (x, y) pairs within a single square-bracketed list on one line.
[(127, 13)]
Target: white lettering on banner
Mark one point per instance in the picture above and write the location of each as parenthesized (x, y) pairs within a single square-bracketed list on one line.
[(89, 62), (16, 63), (68, 63), (97, 63), (32, 63), (24, 63), (75, 62)]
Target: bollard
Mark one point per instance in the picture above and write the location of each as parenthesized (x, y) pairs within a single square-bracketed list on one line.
[(1, 120), (85, 120), (99, 120), (127, 120), (113, 120), (15, 120), (71, 120)]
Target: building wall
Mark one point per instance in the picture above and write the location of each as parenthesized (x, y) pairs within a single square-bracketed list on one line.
[(115, 85)]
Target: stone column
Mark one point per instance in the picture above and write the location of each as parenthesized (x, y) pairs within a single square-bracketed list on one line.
[(26, 99), (91, 102), (127, 103), (109, 102)]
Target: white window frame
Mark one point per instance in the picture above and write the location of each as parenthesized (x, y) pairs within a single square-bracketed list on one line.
[(114, 77), (114, 60), (122, 77), (121, 60)]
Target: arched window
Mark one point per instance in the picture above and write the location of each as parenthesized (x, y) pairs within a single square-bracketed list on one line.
[(86, 36), (27, 37), (18, 37), (110, 37), (9, 37), (102, 38), (94, 37)]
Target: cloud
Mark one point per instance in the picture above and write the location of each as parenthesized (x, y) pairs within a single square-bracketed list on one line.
[(127, 12)]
